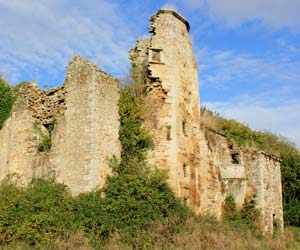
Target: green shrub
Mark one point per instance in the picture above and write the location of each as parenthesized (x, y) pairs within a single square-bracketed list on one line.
[(135, 140), (6, 101), (250, 215), (230, 210), (39, 213), (247, 217), (133, 197), (292, 213), (45, 144), (136, 194)]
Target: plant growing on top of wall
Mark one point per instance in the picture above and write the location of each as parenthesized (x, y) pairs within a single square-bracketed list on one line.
[(7, 99)]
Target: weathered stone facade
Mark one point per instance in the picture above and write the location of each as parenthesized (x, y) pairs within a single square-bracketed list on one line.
[(204, 166), (81, 118), (84, 113), (172, 101), (86, 136), (245, 174)]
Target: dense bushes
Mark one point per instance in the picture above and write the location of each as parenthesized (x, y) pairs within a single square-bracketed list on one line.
[(290, 170), (40, 212), (247, 217), (46, 216), (135, 193), (134, 196), (6, 101)]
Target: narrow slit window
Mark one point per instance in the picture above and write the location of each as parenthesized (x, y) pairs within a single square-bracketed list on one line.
[(185, 169), (169, 133), (184, 131)]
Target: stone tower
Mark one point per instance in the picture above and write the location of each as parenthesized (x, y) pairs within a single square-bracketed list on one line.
[(165, 62)]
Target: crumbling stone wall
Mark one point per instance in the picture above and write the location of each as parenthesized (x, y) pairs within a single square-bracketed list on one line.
[(264, 182), (245, 174), (172, 101), (203, 166), (86, 136), (20, 137), (84, 114), (44, 106)]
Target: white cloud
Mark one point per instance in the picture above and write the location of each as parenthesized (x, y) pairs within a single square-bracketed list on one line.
[(40, 36), (276, 13), (223, 69), (260, 91), (283, 120)]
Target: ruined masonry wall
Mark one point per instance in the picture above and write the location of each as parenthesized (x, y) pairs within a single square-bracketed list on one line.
[(264, 181), (86, 136), (19, 138), (84, 113), (256, 176), (203, 166), (172, 102)]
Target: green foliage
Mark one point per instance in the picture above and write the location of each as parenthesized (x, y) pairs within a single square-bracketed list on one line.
[(7, 99), (135, 140), (230, 209), (136, 194), (133, 197), (38, 213), (292, 213), (136, 200), (244, 136), (45, 144), (250, 215), (247, 217), (290, 170)]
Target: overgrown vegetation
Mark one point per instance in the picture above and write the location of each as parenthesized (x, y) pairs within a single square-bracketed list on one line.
[(44, 216), (46, 142), (136, 209), (246, 218), (270, 143), (7, 99), (134, 197)]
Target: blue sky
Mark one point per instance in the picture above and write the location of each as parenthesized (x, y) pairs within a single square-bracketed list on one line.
[(248, 51)]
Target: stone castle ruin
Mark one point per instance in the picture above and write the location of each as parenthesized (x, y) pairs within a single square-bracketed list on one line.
[(81, 118)]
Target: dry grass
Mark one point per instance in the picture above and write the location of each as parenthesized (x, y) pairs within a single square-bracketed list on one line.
[(203, 234), (76, 241)]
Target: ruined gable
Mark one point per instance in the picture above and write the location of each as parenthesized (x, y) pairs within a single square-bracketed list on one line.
[(84, 116)]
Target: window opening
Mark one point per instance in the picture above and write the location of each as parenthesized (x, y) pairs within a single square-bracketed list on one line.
[(184, 127), (235, 158), (169, 132), (156, 56), (185, 169)]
